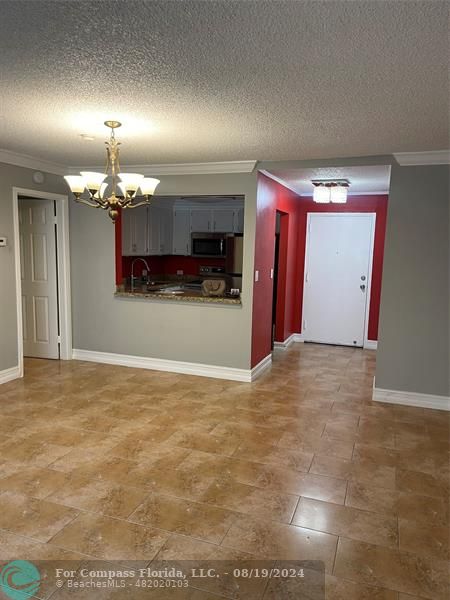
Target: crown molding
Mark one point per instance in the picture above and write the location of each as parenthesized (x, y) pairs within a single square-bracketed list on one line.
[(278, 180), (308, 194), (31, 162), (211, 168), (432, 157)]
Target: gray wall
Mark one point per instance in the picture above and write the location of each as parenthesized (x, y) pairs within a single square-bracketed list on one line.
[(413, 351), (210, 334), (10, 177)]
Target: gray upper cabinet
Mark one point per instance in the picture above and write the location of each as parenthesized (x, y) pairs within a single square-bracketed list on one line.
[(162, 229), (166, 230), (147, 231), (153, 229), (201, 220), (238, 220), (223, 220), (181, 232), (134, 231)]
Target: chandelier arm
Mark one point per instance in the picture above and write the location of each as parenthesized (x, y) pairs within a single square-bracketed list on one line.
[(96, 205), (146, 201), (101, 203)]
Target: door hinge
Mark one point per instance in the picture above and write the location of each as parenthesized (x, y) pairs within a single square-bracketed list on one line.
[(304, 324), (306, 277), (58, 339)]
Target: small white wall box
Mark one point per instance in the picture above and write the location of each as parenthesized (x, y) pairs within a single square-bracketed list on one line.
[(3, 241)]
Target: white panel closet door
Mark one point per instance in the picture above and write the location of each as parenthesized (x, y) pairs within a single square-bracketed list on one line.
[(338, 251), (39, 278)]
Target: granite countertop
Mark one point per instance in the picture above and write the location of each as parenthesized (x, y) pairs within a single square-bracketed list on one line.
[(178, 295)]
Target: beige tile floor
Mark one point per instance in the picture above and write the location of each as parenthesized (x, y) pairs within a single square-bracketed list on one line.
[(109, 463)]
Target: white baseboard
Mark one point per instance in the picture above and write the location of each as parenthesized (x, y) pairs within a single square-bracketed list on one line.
[(9, 374), (411, 399), (287, 342), (262, 366), (174, 366), (370, 345), (293, 338)]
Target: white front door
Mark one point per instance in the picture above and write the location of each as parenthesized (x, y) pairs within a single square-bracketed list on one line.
[(337, 269), (39, 278)]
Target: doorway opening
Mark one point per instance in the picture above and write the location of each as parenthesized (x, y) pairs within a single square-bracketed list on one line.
[(279, 275), (41, 244), (276, 266)]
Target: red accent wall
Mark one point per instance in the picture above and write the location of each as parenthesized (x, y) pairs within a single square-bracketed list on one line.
[(376, 204), (271, 196), (118, 248)]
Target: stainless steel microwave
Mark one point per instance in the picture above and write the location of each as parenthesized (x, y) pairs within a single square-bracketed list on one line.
[(209, 245)]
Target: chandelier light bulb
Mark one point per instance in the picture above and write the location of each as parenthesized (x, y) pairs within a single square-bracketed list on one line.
[(131, 181), (148, 185), (76, 183), (93, 180), (339, 194), (321, 194)]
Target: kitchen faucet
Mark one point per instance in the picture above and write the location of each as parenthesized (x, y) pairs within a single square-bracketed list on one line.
[(132, 270)]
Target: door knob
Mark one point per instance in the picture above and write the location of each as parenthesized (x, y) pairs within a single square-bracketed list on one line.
[(362, 287)]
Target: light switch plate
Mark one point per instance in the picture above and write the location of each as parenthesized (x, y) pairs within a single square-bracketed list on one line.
[(271, 273), (3, 241), (256, 276)]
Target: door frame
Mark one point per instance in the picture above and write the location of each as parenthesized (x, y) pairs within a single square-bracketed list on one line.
[(63, 269), (367, 344)]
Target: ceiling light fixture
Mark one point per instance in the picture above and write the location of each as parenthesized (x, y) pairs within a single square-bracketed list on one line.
[(129, 184), (326, 191)]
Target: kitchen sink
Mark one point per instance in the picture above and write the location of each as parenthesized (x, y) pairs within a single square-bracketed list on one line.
[(169, 290)]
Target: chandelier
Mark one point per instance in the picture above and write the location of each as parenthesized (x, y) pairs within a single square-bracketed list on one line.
[(326, 191), (103, 194)]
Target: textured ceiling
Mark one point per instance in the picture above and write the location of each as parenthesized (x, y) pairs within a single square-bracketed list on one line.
[(363, 180), (223, 80)]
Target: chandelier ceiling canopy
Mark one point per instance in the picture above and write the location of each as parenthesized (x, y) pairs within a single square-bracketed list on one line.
[(112, 190)]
